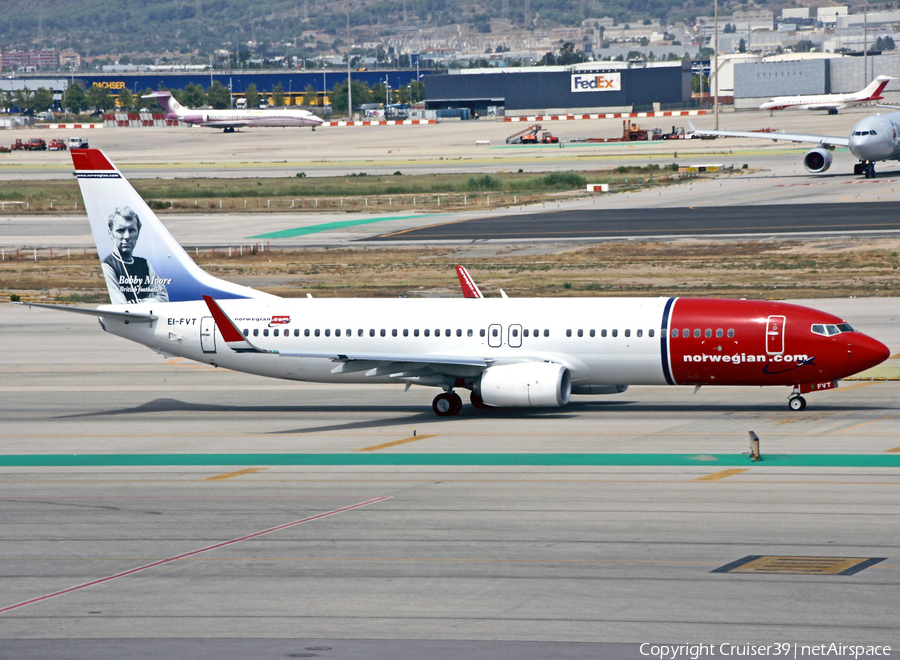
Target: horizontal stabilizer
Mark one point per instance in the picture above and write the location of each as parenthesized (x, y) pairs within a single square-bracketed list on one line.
[(137, 317)]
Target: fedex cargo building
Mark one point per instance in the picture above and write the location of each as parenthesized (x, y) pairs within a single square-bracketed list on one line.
[(581, 88)]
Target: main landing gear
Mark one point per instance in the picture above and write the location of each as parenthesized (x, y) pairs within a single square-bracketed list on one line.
[(446, 404), (867, 168)]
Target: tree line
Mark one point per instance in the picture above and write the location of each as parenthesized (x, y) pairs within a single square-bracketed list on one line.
[(76, 100)]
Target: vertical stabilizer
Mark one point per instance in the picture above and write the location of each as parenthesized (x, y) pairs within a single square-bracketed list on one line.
[(873, 90), (141, 260), (174, 110)]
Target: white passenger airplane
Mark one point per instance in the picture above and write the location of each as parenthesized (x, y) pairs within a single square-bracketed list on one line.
[(830, 102), (508, 352), (872, 139), (232, 119)]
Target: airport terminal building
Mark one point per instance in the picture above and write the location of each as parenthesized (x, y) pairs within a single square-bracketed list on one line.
[(580, 88)]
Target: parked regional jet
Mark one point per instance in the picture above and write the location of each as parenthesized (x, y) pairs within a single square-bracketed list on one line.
[(509, 352), (871, 140), (830, 102), (232, 119)]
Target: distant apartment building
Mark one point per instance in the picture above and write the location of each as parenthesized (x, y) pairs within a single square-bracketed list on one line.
[(29, 60), (828, 16)]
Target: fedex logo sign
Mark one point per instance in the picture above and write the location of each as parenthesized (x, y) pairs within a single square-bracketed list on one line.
[(596, 82)]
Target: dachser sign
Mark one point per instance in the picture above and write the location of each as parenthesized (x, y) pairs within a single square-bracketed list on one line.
[(596, 82)]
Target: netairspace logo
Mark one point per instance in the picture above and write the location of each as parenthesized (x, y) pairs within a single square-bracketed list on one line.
[(791, 650)]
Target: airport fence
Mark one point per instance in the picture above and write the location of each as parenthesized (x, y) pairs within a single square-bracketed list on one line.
[(429, 203)]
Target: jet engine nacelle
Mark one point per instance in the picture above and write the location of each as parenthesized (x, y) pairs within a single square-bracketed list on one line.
[(817, 160), (526, 385)]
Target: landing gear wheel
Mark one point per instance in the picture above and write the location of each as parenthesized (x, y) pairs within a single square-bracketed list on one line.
[(446, 404), (797, 403), (477, 401), (870, 170)]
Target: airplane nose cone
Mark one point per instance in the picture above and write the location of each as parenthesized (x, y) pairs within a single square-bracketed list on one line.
[(866, 352)]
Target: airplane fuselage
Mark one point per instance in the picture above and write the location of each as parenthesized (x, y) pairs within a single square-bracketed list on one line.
[(602, 341), (228, 118), (876, 138)]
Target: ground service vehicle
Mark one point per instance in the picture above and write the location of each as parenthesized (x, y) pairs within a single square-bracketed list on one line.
[(56, 145), (78, 143)]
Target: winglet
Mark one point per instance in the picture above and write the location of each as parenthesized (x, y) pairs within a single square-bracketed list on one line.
[(469, 288), (233, 337)]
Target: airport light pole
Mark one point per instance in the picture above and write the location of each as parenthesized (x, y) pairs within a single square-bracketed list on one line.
[(349, 54), (716, 60), (865, 80)]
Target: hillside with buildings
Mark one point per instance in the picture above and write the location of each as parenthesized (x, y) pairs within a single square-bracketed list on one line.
[(80, 34)]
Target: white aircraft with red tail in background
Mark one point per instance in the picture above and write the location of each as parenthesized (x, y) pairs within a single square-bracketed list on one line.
[(229, 120), (508, 352), (830, 102)]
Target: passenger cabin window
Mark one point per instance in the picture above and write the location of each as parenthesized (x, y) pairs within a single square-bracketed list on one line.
[(306, 332), (427, 332), (296, 332), (640, 333), (256, 332), (581, 333), (650, 333), (568, 333), (481, 333), (383, 332), (730, 332), (697, 333), (615, 333), (416, 332), (593, 332), (675, 333), (371, 332), (546, 333), (337, 333), (327, 332), (265, 332), (628, 333), (275, 332), (246, 332), (720, 333), (317, 332), (708, 333), (603, 332)]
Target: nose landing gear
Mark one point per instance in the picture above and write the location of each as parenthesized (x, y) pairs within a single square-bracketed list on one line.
[(866, 168), (796, 402)]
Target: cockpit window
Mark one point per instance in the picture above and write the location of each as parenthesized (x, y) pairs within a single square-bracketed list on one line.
[(830, 330), (864, 133), (872, 133)]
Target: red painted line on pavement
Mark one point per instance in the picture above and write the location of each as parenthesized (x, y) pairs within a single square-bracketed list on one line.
[(191, 554)]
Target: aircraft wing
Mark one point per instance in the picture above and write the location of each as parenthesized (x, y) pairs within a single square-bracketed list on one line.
[(828, 140), (375, 364), (137, 317)]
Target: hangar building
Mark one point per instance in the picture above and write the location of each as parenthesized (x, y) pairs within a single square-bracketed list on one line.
[(578, 89)]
